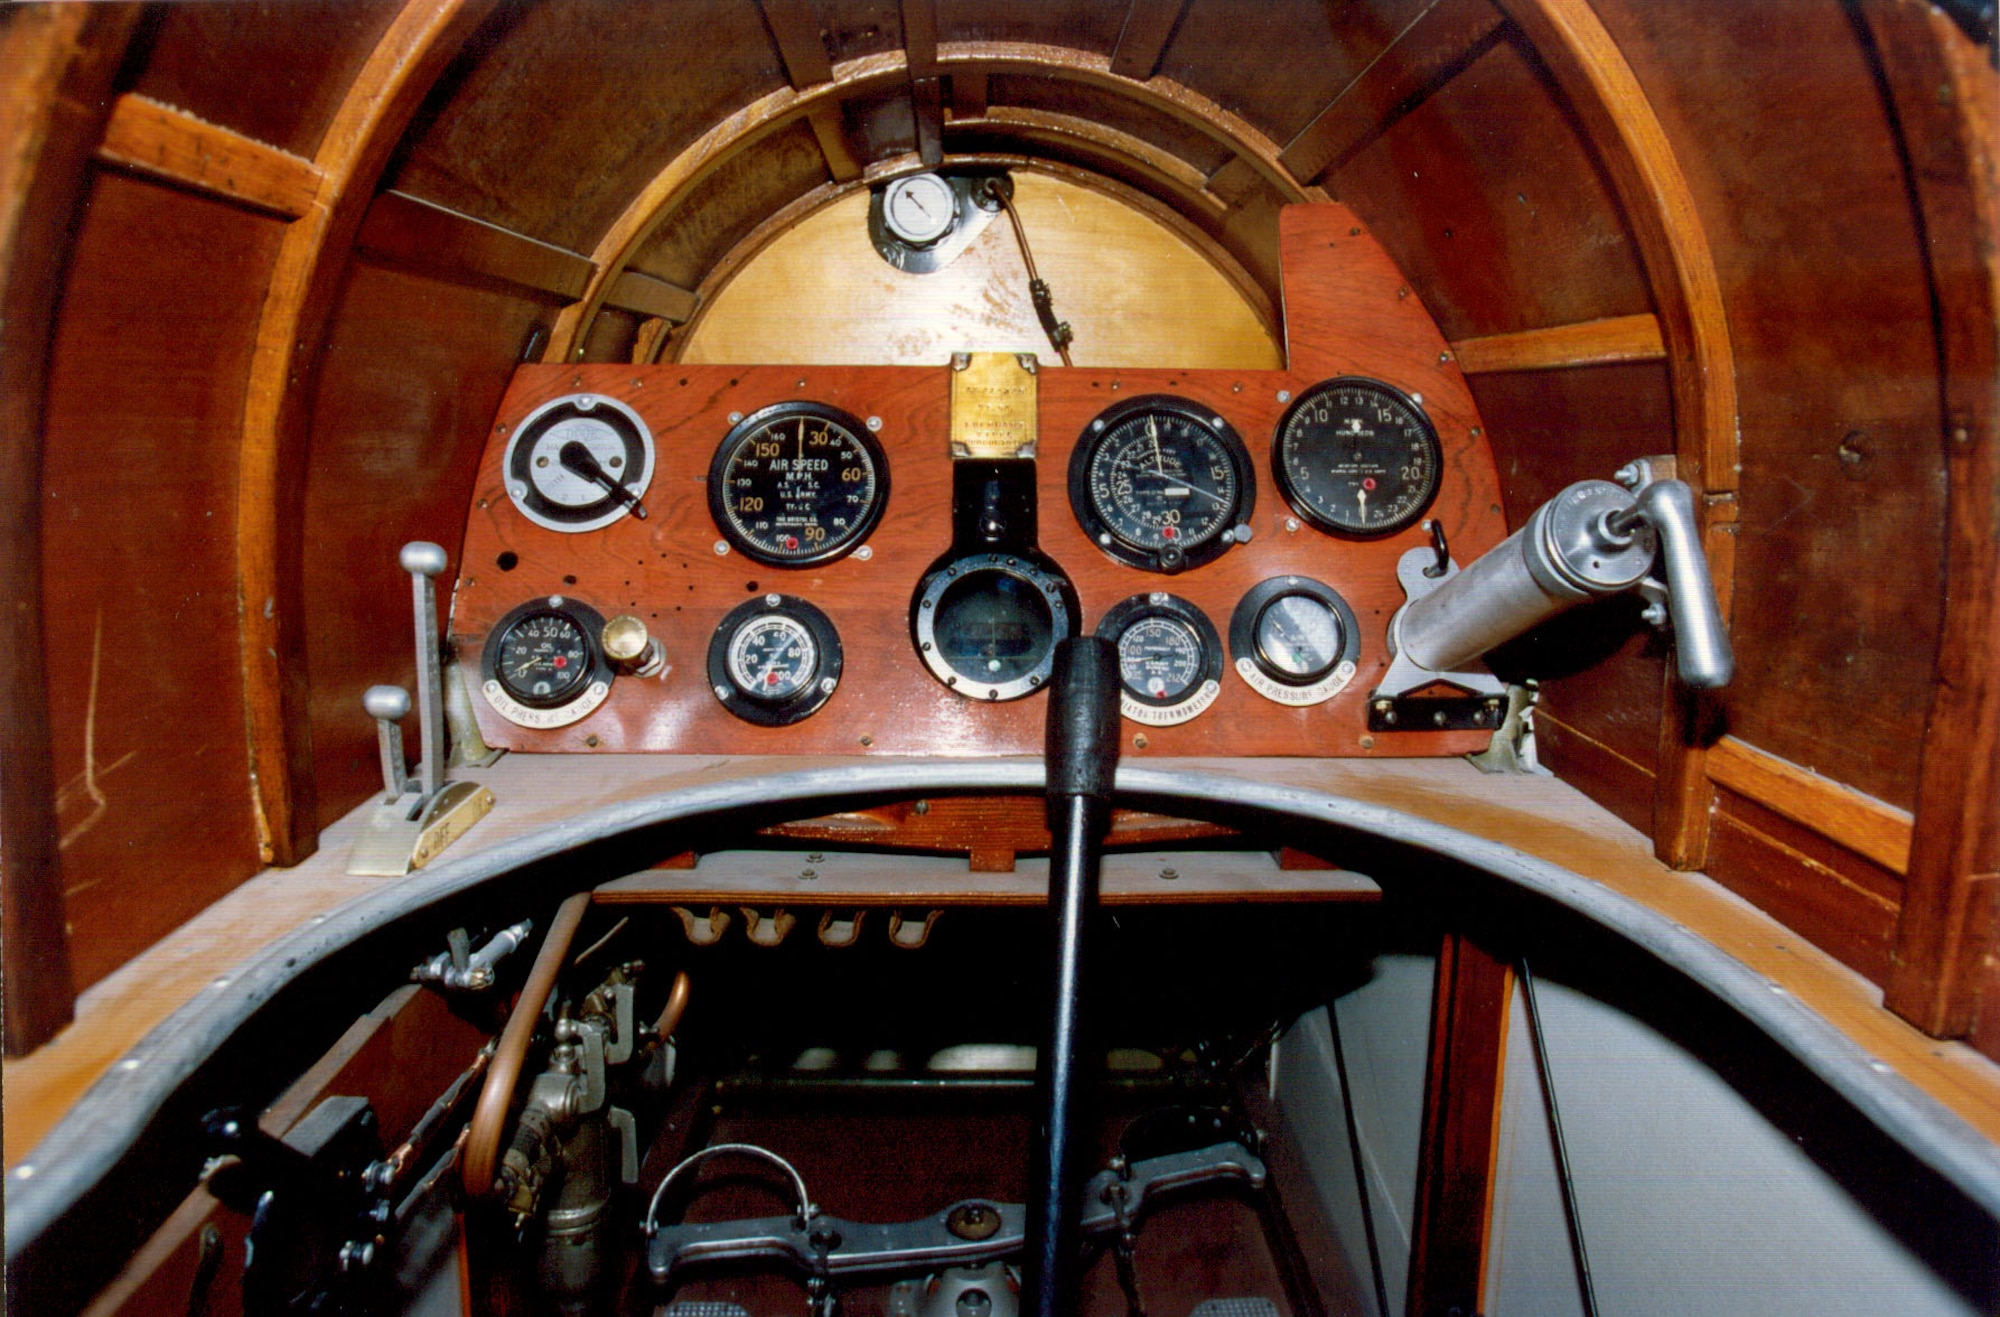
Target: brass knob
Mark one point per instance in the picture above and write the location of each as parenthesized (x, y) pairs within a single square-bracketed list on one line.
[(625, 638)]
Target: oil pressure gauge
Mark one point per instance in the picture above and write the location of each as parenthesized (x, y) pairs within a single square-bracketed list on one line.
[(1169, 658), (774, 660), (543, 666), (1162, 483), (1294, 640), (1357, 457), (579, 462)]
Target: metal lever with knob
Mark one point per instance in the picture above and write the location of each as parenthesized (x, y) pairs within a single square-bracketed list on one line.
[(388, 706), (423, 560), (1592, 539)]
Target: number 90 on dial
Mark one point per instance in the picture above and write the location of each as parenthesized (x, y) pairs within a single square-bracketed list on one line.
[(797, 484)]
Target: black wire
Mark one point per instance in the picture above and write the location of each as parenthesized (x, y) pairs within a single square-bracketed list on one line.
[(1354, 1154), (1587, 1290)]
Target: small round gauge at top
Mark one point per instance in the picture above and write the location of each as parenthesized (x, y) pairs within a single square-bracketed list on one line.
[(579, 462), (1162, 483), (1294, 640), (920, 209), (1357, 457), (543, 665), (775, 660), (797, 484), (1169, 658)]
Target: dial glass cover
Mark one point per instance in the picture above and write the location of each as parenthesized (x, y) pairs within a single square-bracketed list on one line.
[(994, 627), (543, 659), (1161, 483), (919, 209), (1299, 638), (797, 484), (1357, 457), (772, 657)]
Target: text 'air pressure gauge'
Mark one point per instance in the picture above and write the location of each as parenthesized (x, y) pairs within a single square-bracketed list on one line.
[(1294, 640), (774, 660)]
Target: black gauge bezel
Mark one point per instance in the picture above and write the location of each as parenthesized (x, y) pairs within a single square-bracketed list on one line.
[(518, 476), (809, 698), (1063, 622), (1243, 626), (1281, 442), (542, 712), (744, 431), (1127, 613), (1168, 559)]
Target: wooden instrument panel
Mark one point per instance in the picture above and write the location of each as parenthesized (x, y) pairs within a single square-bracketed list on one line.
[(1348, 312)]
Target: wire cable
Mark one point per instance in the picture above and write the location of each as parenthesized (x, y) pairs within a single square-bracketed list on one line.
[(1586, 1288), (1060, 335)]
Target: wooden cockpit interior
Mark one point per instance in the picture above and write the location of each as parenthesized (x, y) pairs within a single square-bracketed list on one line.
[(279, 279)]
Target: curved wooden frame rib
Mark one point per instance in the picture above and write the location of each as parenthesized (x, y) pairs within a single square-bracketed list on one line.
[(1620, 124), (376, 109), (750, 125)]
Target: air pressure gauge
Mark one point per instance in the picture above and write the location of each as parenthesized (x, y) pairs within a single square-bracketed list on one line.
[(919, 209), (1294, 640)]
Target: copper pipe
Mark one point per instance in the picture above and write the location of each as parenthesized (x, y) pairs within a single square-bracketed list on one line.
[(489, 1118), (677, 1004)]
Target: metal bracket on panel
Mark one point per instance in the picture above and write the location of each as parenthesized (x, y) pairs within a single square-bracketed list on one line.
[(1394, 706), (1512, 749)]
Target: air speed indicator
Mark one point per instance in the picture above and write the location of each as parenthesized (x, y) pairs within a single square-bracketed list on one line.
[(797, 484), (1357, 457)]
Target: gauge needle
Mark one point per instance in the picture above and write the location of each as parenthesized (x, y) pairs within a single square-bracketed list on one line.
[(1196, 489), (1153, 433), (575, 456), (1361, 500), (802, 438)]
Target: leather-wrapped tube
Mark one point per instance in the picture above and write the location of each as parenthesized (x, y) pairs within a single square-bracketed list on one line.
[(1082, 745)]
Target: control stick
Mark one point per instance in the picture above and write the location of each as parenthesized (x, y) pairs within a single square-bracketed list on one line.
[(1082, 758)]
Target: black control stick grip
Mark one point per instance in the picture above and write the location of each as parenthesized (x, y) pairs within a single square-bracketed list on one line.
[(1082, 745)]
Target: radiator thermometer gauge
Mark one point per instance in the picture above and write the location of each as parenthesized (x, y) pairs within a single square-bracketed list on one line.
[(1169, 658), (1357, 457)]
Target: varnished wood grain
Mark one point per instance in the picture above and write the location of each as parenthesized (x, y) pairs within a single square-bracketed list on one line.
[(1861, 823), (414, 232), (957, 823), (62, 63), (1149, 25), (304, 279), (1346, 317), (1459, 1136), (1562, 347), (1444, 38), (1944, 91), (169, 143), (795, 29)]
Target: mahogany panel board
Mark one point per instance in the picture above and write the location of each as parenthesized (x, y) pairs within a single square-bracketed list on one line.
[(413, 370), (273, 70), (1490, 200), (1309, 52), (562, 111), (1839, 568), (1346, 317), (139, 573)]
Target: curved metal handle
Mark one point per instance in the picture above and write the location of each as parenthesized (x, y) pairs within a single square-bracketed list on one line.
[(1702, 651)]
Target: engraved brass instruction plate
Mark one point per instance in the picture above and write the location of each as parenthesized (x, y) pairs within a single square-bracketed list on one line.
[(993, 405)]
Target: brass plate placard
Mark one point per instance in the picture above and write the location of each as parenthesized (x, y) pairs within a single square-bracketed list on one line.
[(993, 405)]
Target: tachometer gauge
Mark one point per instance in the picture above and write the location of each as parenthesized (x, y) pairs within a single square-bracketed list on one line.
[(774, 660), (1169, 658), (1294, 640), (544, 666), (1357, 457), (579, 462), (1162, 483), (797, 484)]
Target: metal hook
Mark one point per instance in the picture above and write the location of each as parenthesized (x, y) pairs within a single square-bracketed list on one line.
[(1440, 548), (838, 933), (779, 926), (897, 937), (703, 930)]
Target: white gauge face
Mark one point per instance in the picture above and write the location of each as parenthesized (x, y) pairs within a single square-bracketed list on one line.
[(772, 657), (556, 481), (919, 209), (578, 462)]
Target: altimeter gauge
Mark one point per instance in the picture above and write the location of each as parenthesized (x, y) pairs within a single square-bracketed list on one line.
[(797, 484), (1357, 457), (1162, 483)]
